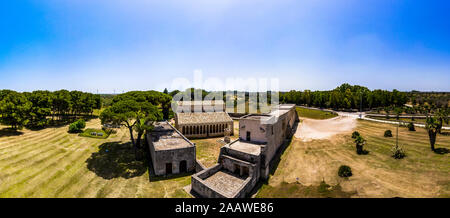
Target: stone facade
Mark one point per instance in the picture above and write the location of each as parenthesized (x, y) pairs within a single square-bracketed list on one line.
[(204, 124), (199, 106), (246, 160), (170, 151)]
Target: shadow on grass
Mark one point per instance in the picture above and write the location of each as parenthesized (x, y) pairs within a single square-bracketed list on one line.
[(297, 190), (9, 132), (273, 165), (363, 152), (441, 151), (66, 121), (153, 178), (114, 160)]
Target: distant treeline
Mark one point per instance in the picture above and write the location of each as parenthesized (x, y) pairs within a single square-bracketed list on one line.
[(346, 97), (38, 109), (343, 97), (437, 99)]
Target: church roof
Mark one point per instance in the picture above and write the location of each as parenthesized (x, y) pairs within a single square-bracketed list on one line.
[(205, 117)]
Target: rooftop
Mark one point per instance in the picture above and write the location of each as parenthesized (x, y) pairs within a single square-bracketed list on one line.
[(282, 109), (204, 117), (166, 137), (276, 112), (206, 102), (246, 147), (228, 183)]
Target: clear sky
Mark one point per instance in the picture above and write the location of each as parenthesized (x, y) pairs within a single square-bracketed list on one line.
[(124, 45)]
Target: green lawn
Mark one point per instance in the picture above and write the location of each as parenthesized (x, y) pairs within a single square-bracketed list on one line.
[(315, 114), (88, 133), (52, 163)]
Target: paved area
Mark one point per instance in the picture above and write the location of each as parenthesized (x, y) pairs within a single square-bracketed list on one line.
[(226, 182), (246, 147)]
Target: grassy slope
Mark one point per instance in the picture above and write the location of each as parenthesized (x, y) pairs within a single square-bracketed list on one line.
[(53, 163), (314, 114), (421, 174)]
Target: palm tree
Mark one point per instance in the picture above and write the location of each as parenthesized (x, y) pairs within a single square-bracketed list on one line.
[(359, 142), (441, 117), (432, 126)]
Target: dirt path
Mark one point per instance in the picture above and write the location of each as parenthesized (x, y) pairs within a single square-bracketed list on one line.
[(310, 129)]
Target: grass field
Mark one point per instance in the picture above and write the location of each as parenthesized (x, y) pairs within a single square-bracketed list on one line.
[(304, 165), (52, 163), (314, 114), (406, 120), (208, 149)]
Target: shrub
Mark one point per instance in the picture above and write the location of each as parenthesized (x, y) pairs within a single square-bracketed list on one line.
[(323, 187), (345, 171), (81, 124), (398, 152), (388, 133), (73, 128), (411, 127), (355, 134), (360, 142), (77, 126)]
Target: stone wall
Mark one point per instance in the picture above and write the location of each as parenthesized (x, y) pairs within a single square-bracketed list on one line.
[(239, 154), (174, 156), (205, 130)]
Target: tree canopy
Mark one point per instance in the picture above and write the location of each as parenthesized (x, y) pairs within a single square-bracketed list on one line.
[(38, 108), (137, 111), (346, 97)]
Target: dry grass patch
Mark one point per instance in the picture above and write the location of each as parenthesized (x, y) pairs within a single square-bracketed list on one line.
[(422, 173)]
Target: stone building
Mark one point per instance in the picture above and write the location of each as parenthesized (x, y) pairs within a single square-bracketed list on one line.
[(170, 151), (243, 162), (199, 106), (203, 125)]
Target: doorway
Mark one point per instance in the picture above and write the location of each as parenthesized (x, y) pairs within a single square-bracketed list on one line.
[(237, 169), (248, 136), (168, 168), (245, 171), (183, 166)]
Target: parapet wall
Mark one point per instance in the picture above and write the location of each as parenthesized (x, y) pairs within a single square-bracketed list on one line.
[(200, 187)]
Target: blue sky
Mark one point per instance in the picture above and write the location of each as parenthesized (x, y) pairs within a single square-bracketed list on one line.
[(124, 45)]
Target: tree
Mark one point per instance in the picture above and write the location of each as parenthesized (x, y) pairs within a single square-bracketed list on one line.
[(145, 122), (165, 91), (360, 142), (441, 117), (355, 134), (432, 127), (77, 126), (14, 109), (398, 111), (41, 108), (134, 115), (61, 103), (174, 92)]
